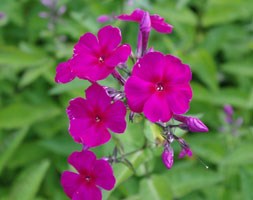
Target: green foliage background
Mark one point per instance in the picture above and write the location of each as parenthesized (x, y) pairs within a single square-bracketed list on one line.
[(214, 36)]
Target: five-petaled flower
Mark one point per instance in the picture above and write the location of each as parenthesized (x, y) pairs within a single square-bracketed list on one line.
[(159, 87), (157, 22), (94, 58), (91, 118), (92, 175)]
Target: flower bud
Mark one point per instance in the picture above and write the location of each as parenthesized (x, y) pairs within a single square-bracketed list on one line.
[(192, 124), (2, 15), (143, 35), (49, 3), (228, 109), (104, 18), (167, 156), (185, 152), (196, 125), (145, 25)]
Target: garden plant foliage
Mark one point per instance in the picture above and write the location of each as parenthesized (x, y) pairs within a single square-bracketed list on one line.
[(213, 36)]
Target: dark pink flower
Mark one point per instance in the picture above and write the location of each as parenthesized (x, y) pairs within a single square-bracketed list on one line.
[(159, 87), (94, 58), (91, 118), (157, 22), (92, 175)]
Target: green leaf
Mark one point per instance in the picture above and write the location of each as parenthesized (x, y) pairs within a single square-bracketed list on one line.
[(246, 184), (155, 188), (176, 14), (133, 197), (22, 59), (239, 156), (225, 11), (21, 114), (122, 172), (224, 96), (73, 85), (210, 146), (239, 68), (56, 145), (10, 145), (28, 152), (186, 180), (204, 66), (32, 74), (133, 138), (28, 182)]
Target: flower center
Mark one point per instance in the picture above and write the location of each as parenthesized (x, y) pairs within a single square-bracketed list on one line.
[(159, 87), (87, 179), (97, 119), (101, 59)]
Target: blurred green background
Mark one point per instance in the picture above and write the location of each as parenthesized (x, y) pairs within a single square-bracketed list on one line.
[(214, 36)]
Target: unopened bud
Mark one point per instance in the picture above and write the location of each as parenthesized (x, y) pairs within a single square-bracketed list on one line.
[(228, 109), (192, 124), (196, 125), (185, 152), (104, 18), (143, 35), (168, 156), (145, 25), (2, 15)]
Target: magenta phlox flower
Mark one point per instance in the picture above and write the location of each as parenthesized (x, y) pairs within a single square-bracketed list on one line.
[(157, 22), (93, 117), (92, 175), (159, 87), (94, 58)]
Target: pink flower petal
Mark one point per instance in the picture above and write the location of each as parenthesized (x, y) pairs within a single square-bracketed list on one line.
[(87, 42), (97, 96), (119, 55), (78, 108), (157, 109), (148, 67), (179, 101), (135, 16), (78, 127), (105, 178), (82, 161), (137, 92), (64, 74), (83, 65), (176, 71), (159, 25), (93, 72), (70, 182), (109, 37), (87, 193), (96, 135), (115, 117)]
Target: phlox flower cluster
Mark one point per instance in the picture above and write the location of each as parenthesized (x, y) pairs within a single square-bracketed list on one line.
[(155, 86)]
